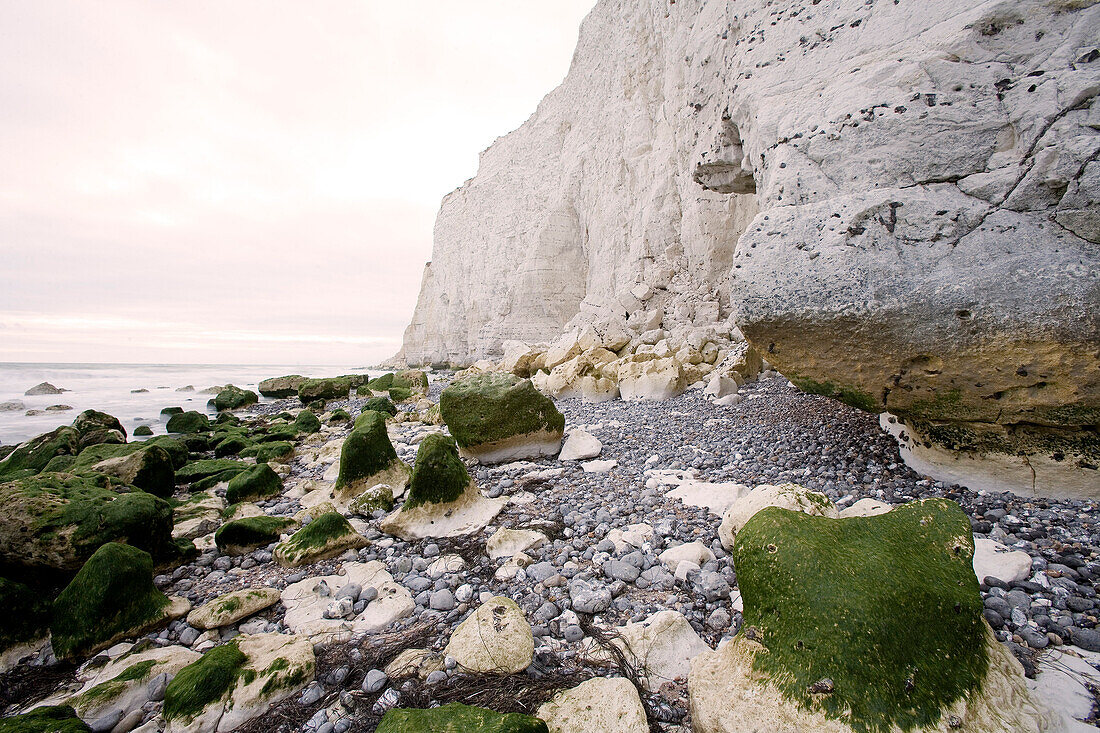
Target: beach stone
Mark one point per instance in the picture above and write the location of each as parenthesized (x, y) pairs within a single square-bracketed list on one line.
[(256, 482), (374, 680), (720, 386), (446, 565), (991, 558), (580, 446), (242, 536), (786, 496), (588, 598), (414, 663), (43, 388), (443, 500), (508, 542), (499, 417), (239, 681), (495, 638), (865, 508), (306, 600), (598, 466), (661, 648), (232, 607), (33, 455), (922, 550), (334, 388), (599, 704), (12, 406), (188, 423), (694, 552), (326, 536)]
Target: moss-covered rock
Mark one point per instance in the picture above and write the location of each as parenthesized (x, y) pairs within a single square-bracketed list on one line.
[(232, 607), (277, 434), (499, 417), (122, 683), (98, 427), (245, 535), (36, 453), (26, 614), (377, 497), (196, 470), (227, 420), (339, 416), (281, 387), (55, 521), (438, 476), (368, 458), (46, 719), (198, 515), (379, 404), (234, 398), (111, 597), (400, 394), (202, 683), (458, 718), (886, 608), (382, 383), (89, 457), (307, 422), (280, 451), (169, 411), (336, 388), (414, 379), (188, 422), (149, 469), (326, 536), (142, 431), (258, 482), (231, 445)]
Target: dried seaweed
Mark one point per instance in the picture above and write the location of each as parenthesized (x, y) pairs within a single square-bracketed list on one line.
[(25, 684)]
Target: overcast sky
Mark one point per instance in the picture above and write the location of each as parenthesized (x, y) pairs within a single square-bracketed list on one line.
[(201, 181)]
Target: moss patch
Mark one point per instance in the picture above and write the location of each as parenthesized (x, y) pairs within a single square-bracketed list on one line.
[(234, 398), (455, 717), (142, 430), (203, 682), (325, 536), (49, 719), (307, 422), (188, 422), (851, 396), (439, 475), (231, 446), (112, 595), (258, 482), (104, 692), (209, 467), (382, 383), (251, 532), (400, 394), (339, 416), (36, 453), (379, 404), (273, 451), (887, 607), (488, 408)]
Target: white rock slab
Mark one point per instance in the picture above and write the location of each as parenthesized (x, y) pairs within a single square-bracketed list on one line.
[(598, 466), (580, 446), (991, 558), (599, 704)]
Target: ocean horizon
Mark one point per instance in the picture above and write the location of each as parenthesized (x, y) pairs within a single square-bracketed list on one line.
[(135, 393)]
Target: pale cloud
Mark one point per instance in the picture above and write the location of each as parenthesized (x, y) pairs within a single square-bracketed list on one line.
[(254, 182)]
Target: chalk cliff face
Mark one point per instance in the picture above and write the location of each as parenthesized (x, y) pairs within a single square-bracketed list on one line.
[(897, 201)]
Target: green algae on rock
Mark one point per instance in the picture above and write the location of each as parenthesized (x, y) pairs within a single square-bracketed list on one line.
[(326, 536), (267, 452), (56, 521), (234, 398), (886, 608), (231, 445), (98, 427), (500, 417), (203, 682), (149, 470), (458, 718), (33, 456), (307, 422), (112, 596), (142, 430), (368, 458), (339, 416), (377, 497), (257, 482), (438, 476), (46, 719), (336, 388), (232, 607), (241, 536), (201, 469), (379, 404), (188, 422), (281, 387)]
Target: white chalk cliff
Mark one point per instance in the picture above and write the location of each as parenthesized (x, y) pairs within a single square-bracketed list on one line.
[(897, 201)]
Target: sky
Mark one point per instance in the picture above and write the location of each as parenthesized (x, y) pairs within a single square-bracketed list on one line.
[(246, 182)]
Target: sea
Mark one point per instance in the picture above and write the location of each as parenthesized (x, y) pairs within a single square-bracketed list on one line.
[(134, 393)]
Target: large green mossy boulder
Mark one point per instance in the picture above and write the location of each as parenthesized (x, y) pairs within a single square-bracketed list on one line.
[(886, 608), (368, 458), (458, 718), (196, 470), (24, 614), (112, 596), (231, 445), (379, 404), (143, 431), (46, 719), (382, 383), (33, 456), (89, 457), (336, 388), (98, 427), (438, 476), (307, 422), (244, 535), (149, 470), (188, 422), (234, 398), (281, 387), (280, 451), (400, 394), (500, 417), (258, 482), (56, 521), (326, 536)]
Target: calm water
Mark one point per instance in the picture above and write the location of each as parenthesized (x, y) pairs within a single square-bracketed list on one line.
[(109, 387)]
